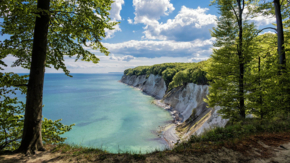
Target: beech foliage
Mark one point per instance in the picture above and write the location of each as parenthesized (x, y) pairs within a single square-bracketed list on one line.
[(265, 89)]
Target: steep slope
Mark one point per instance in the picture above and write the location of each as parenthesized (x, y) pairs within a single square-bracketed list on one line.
[(154, 85), (185, 103)]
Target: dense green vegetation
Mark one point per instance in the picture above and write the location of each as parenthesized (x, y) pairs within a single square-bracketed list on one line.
[(12, 113), (174, 74), (245, 71)]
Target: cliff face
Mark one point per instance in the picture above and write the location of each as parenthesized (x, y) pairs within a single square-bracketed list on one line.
[(214, 120), (154, 85), (185, 103), (185, 99)]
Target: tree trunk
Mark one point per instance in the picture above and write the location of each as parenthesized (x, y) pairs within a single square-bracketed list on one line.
[(32, 138), (241, 62), (281, 49)]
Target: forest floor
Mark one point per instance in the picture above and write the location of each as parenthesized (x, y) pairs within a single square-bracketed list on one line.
[(263, 148)]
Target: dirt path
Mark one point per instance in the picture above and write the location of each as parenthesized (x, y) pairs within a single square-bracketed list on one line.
[(39, 157), (279, 154)]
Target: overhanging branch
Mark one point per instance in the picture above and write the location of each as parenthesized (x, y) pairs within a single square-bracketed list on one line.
[(20, 85), (266, 28)]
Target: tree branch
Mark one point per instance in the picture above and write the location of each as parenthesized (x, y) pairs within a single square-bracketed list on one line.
[(61, 11), (22, 42), (7, 142), (20, 85), (235, 14), (266, 28)]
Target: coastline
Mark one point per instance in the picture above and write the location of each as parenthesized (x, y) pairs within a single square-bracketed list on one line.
[(166, 132)]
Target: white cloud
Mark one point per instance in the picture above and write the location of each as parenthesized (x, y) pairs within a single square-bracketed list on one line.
[(196, 59), (151, 49), (263, 20), (116, 8), (130, 21), (151, 10), (104, 66), (188, 24), (124, 58), (107, 64), (110, 33), (259, 19)]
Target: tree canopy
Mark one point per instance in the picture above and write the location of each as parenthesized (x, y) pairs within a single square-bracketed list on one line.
[(262, 86), (72, 26), (174, 74)]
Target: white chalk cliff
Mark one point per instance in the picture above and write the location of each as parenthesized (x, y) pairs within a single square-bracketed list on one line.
[(180, 101), (154, 85)]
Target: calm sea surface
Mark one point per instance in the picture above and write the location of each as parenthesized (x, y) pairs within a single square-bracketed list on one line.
[(108, 114)]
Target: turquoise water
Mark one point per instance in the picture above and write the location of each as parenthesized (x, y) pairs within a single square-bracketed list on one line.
[(108, 114)]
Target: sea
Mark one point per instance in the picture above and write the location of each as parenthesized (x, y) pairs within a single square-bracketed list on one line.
[(107, 114)]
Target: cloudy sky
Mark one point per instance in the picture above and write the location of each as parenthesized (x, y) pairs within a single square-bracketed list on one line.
[(152, 32)]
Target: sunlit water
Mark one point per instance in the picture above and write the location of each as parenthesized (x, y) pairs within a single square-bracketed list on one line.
[(108, 114)]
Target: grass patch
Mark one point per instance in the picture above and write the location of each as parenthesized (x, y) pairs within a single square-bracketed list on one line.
[(139, 157)]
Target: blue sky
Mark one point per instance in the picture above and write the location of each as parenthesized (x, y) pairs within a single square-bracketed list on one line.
[(152, 32)]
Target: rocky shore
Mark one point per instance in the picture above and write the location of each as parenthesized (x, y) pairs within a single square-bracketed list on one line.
[(182, 102)]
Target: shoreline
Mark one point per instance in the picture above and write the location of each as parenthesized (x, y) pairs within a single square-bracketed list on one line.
[(166, 132)]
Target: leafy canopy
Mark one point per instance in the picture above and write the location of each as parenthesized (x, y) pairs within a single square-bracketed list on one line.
[(73, 24), (174, 74)]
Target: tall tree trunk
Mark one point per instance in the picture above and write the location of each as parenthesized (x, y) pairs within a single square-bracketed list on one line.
[(281, 49), (241, 62), (32, 138)]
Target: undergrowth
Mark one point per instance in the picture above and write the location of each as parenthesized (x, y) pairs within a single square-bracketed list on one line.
[(234, 132)]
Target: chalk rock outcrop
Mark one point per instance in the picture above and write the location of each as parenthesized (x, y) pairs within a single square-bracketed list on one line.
[(186, 98), (154, 85), (215, 120)]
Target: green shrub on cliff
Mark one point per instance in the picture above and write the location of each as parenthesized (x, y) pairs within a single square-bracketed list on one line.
[(168, 75), (174, 74)]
